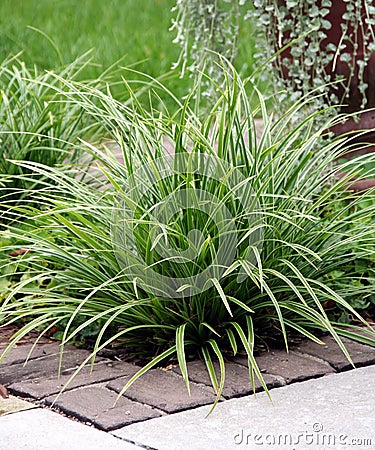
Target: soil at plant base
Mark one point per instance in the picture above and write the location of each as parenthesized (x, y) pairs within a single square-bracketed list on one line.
[(7, 331), (369, 315)]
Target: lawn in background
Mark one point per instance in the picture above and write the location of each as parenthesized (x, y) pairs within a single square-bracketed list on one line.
[(135, 30)]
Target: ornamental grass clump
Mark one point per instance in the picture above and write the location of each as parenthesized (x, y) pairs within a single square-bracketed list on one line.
[(206, 239), (35, 125)]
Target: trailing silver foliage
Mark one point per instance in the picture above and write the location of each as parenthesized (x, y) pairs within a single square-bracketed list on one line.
[(203, 25), (289, 21), (205, 29)]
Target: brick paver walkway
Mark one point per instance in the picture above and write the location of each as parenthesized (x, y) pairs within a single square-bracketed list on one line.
[(90, 397)]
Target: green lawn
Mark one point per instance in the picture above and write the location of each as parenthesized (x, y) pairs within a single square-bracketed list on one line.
[(134, 29)]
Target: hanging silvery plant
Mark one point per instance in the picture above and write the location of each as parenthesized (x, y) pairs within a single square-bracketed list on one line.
[(205, 29), (327, 42)]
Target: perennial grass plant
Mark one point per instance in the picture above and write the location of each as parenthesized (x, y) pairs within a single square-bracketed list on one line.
[(205, 239), (36, 125)]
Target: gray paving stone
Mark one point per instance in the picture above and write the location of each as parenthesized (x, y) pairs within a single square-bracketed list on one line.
[(41, 429), (237, 379), (36, 368), (333, 412), (97, 405), (20, 353), (46, 385), (290, 366), (165, 391), (362, 355)]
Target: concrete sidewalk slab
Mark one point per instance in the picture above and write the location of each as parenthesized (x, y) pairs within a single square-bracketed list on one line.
[(335, 411), (41, 429)]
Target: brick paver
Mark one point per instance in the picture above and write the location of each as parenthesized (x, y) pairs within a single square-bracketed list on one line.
[(165, 391), (237, 378), (97, 405), (290, 366), (43, 386), (41, 367), (19, 353), (362, 355)]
